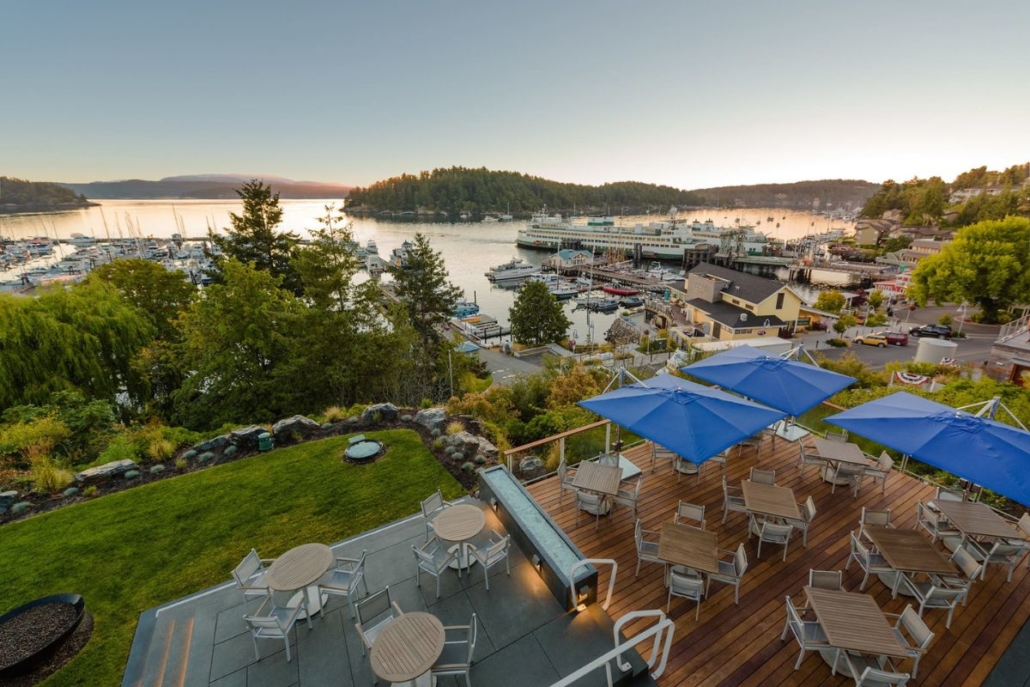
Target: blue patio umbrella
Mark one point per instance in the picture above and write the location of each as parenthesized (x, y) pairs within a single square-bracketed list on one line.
[(694, 421), (981, 450), (788, 385)]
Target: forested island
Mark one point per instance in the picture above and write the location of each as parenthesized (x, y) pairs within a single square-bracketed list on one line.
[(203, 187), (19, 195), (481, 191)]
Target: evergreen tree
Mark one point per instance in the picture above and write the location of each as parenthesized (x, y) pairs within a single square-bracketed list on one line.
[(537, 317), (423, 288), (327, 266), (253, 237)]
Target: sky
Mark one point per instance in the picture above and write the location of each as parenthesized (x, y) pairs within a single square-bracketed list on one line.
[(680, 92)]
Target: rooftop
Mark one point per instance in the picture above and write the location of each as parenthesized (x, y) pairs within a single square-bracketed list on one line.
[(742, 285)]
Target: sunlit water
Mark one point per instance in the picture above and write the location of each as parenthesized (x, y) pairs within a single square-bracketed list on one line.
[(469, 249)]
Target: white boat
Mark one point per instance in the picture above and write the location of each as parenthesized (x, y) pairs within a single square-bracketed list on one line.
[(371, 248), (514, 269), (399, 256), (559, 288), (656, 240)]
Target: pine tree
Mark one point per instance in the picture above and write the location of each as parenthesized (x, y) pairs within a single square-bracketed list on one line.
[(423, 288), (537, 317)]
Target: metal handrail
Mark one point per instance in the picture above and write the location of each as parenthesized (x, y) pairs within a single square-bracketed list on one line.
[(593, 561), (664, 628)]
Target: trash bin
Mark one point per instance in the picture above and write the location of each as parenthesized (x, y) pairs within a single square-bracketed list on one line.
[(264, 441)]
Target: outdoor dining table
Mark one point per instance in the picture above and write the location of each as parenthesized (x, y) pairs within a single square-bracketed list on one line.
[(974, 519), (853, 622), (837, 452), (628, 467), (297, 570), (907, 551), (689, 546), (407, 647), (602, 480), (771, 500), (457, 525)]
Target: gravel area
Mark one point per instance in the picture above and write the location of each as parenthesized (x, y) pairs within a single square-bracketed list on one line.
[(29, 632), (65, 653)]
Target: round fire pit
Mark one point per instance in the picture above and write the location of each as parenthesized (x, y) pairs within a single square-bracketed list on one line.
[(363, 451), (31, 634)]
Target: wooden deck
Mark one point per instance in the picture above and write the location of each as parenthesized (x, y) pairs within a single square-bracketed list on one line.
[(740, 645)]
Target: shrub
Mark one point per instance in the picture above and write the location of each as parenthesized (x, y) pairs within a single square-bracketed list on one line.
[(468, 467), (426, 403), (42, 434), (189, 454), (230, 450), (837, 343), (47, 478), (435, 432), (181, 462), (90, 491), (120, 448), (205, 457), (71, 491), (455, 427), (438, 443), (157, 469), (944, 319), (20, 507), (334, 414), (160, 449), (131, 474)]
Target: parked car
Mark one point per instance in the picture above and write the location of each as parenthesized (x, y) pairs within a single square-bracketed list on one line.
[(875, 339), (937, 331), (896, 338)]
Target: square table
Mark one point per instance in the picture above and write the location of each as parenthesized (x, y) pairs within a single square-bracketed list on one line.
[(837, 452), (975, 519), (854, 622), (907, 551), (769, 499), (600, 479), (689, 546)]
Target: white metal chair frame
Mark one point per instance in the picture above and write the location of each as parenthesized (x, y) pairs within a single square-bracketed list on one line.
[(688, 514), (770, 532), (1001, 552), (874, 518), (647, 546), (809, 456), (591, 503), (458, 647), (868, 561), (852, 473), (762, 476), (935, 524), (493, 552), (343, 580), (686, 585), (250, 576), (826, 579), (935, 594), (731, 571), (911, 624), (808, 633), (971, 569), (431, 507), (566, 475), (275, 622), (884, 465), (433, 558), (865, 669), (807, 509), (732, 500), (629, 497), (381, 610)]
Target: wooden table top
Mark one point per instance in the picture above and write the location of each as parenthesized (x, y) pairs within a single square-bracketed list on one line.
[(839, 451), (602, 479), (974, 518), (769, 499), (407, 647), (459, 523), (299, 567), (690, 546), (909, 551), (854, 621)]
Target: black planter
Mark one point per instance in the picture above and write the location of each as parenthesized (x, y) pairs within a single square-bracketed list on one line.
[(29, 663)]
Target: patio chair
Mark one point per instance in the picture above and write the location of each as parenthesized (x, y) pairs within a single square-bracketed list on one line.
[(754, 441), (934, 523), (947, 494), (934, 594), (871, 671), (771, 533), (647, 546), (732, 500), (850, 472), (433, 558), (730, 571), (610, 459), (719, 459), (275, 622), (913, 634), (971, 571), (682, 466), (837, 435), (250, 576), (1024, 525), (375, 612), (808, 633), (826, 579), (432, 507), (565, 478), (661, 453), (763, 476), (772, 431), (686, 585), (873, 518), (591, 503), (343, 580), (492, 553), (869, 562), (1000, 553), (689, 514), (808, 511), (884, 465), (629, 497), (458, 646), (807, 455)]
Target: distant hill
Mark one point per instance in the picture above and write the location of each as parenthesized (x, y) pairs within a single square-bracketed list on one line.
[(19, 195), (203, 186), (800, 195)]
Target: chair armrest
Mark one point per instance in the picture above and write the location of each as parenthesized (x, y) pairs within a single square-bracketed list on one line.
[(267, 561), (397, 608)]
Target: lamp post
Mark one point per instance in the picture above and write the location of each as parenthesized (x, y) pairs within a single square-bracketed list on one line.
[(961, 316)]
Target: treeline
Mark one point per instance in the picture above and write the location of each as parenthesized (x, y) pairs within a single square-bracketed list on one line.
[(198, 188), (19, 195), (480, 191), (800, 195), (933, 201)]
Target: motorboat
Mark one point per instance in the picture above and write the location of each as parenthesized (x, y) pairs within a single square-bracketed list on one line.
[(463, 309), (514, 269)]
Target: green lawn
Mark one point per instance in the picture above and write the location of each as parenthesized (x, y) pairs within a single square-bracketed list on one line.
[(137, 549)]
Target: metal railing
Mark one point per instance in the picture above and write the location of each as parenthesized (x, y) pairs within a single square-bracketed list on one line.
[(592, 561), (660, 633)]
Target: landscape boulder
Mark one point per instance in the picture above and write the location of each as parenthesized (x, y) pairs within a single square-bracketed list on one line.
[(298, 424), (432, 418), (248, 436), (530, 465), (216, 444), (471, 445), (386, 412), (102, 473), (7, 499)]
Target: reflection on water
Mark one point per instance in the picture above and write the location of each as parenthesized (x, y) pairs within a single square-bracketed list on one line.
[(468, 248)]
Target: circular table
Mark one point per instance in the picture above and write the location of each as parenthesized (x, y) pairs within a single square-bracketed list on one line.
[(458, 524), (298, 569), (407, 647)]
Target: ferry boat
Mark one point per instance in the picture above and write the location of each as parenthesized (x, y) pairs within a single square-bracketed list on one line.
[(514, 269), (656, 240)]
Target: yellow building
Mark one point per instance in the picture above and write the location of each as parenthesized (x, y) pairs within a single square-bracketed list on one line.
[(729, 305)]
